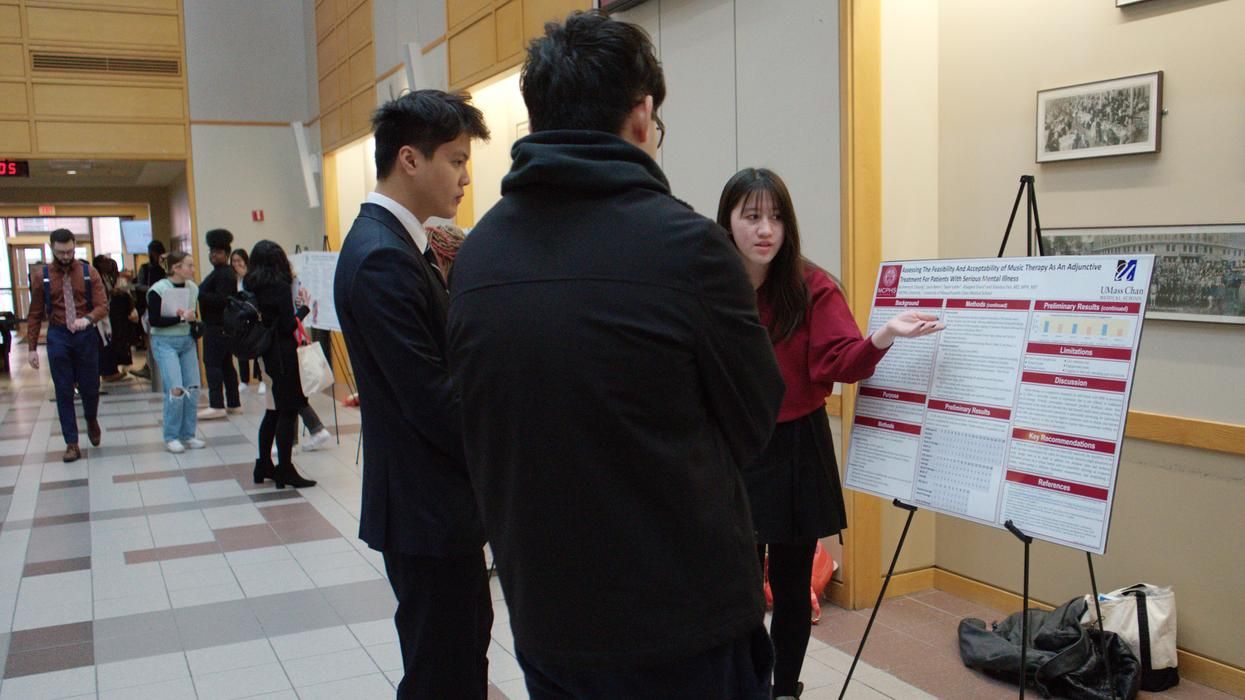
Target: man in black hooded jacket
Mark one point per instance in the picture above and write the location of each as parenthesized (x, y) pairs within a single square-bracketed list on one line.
[(614, 379)]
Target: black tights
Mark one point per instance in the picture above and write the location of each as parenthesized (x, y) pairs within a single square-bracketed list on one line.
[(790, 569), (281, 426)]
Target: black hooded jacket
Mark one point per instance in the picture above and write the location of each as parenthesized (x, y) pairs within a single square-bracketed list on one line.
[(614, 379)]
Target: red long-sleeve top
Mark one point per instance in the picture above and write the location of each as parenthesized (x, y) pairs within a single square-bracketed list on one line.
[(826, 348)]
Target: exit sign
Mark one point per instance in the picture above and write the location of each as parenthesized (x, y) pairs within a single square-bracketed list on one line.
[(14, 168), (47, 210)]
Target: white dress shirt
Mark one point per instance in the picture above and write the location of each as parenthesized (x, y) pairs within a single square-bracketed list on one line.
[(404, 215)]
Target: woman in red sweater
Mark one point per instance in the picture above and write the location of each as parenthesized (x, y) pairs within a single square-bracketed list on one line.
[(794, 488)]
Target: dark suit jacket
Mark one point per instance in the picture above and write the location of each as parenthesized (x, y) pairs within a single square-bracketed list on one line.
[(392, 307)]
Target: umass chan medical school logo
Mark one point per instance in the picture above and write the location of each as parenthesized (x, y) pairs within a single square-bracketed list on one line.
[(888, 281), (1125, 270)]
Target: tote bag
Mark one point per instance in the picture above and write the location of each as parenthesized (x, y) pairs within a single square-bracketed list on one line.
[(1145, 618), (313, 368)]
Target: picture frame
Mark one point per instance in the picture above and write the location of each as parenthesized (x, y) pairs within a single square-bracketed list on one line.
[(1115, 117), (1199, 270)]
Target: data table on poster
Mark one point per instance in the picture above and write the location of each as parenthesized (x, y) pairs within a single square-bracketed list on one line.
[(315, 274), (1016, 410)]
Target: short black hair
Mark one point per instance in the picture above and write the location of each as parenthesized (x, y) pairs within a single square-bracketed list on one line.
[(588, 73), (423, 120), (219, 239), (155, 248), (61, 235)]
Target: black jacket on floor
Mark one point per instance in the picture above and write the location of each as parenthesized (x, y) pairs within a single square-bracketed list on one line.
[(391, 304), (614, 379)]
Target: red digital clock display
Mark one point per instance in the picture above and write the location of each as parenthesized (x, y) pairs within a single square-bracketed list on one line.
[(14, 168)]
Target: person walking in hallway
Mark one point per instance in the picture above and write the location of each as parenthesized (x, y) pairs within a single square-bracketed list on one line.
[(418, 507), (214, 293), (72, 302), (271, 280), (615, 380), (170, 313)]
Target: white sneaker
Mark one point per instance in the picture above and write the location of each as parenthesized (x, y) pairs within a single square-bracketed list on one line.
[(211, 413), (195, 444), (175, 446), (243, 388), (263, 389), (236, 411), (317, 440)]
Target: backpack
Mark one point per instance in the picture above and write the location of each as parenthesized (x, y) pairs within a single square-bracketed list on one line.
[(47, 287), (244, 326)]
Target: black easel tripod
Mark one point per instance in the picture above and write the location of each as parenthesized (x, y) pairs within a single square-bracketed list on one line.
[(1033, 234)]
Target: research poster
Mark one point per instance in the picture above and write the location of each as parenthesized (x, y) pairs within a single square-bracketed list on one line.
[(1016, 410), (315, 274)]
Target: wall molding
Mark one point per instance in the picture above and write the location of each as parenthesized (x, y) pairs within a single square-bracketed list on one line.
[(230, 122), (1193, 666), (1197, 433), (427, 48)]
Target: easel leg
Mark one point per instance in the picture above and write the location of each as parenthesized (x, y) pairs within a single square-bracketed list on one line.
[(1106, 659), (881, 594), (1024, 609)]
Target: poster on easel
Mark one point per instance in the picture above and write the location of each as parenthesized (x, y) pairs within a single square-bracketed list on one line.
[(1016, 410), (315, 274)]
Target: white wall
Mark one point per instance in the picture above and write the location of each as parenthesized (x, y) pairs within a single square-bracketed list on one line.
[(503, 108), (247, 60), (241, 168), (752, 83), (1177, 516)]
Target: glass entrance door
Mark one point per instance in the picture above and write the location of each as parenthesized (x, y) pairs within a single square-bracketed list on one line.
[(26, 260)]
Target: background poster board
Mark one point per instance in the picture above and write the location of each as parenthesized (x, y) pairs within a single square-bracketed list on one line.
[(315, 274), (1014, 412)]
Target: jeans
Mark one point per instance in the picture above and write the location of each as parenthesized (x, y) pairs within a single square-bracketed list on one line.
[(179, 373), (73, 358), (222, 377)]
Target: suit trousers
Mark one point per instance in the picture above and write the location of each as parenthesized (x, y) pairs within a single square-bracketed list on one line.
[(444, 621), (73, 358)]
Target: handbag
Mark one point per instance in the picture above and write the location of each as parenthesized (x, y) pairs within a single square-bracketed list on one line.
[(1144, 616), (314, 371)]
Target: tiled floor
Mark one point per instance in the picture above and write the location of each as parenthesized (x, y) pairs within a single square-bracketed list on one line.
[(135, 573)]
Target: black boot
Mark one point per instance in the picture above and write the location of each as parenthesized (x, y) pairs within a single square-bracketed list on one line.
[(286, 474), (264, 470)]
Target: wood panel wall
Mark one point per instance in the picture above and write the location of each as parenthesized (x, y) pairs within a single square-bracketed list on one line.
[(345, 68), (108, 110), (487, 37)]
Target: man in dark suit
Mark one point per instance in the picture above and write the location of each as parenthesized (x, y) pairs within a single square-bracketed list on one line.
[(615, 379), (418, 508)]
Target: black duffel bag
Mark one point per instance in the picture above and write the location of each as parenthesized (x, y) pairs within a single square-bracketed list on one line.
[(1063, 660)]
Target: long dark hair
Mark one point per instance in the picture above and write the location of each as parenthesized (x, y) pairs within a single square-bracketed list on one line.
[(784, 289), (267, 266)]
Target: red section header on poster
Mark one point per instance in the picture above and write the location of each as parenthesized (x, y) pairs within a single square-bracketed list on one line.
[(1086, 351), (990, 304), (912, 303), (968, 409), (867, 422), (1072, 382), (892, 394), (1091, 307), (1059, 485), (1071, 441)]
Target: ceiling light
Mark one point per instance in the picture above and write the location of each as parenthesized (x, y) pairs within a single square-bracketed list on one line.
[(71, 172)]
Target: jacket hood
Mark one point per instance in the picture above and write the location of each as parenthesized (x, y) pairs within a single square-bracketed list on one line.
[(581, 161)]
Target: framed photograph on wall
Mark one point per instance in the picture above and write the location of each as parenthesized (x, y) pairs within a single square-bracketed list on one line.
[(1105, 118), (1199, 271)]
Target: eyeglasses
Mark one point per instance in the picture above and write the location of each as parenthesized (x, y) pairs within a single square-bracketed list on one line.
[(661, 130)]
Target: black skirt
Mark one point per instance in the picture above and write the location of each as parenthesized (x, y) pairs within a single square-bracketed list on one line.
[(794, 487)]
